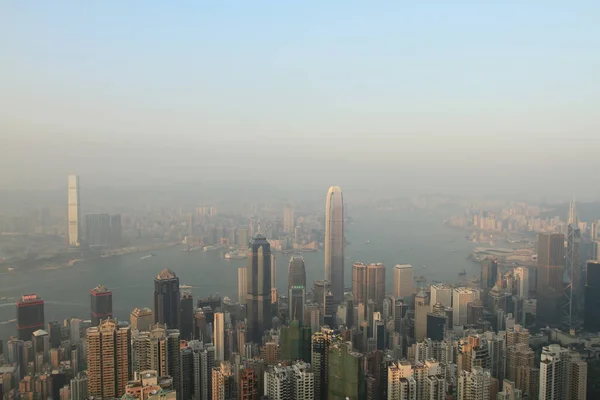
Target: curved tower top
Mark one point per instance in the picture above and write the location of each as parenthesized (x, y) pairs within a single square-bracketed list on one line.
[(296, 272), (334, 242)]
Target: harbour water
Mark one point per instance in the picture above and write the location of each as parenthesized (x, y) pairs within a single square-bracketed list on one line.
[(417, 237)]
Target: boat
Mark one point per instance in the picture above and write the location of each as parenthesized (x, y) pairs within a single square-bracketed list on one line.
[(147, 256), (235, 255), (185, 287), (368, 242), (421, 279), (10, 269), (462, 273)]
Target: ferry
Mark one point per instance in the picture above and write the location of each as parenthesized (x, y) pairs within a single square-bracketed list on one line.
[(235, 255), (147, 256), (421, 279), (185, 287), (462, 273)]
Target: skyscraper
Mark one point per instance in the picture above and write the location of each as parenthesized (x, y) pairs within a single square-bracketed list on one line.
[(421, 310), (296, 271), (592, 297), (574, 290), (563, 375), (441, 294), (346, 373), (489, 273), (242, 289), (474, 385), (404, 284), (258, 287), (97, 230), (74, 212), (109, 359), (549, 284), (186, 319), (223, 382), (461, 297), (166, 299), (334, 242), (289, 223), (368, 283), (522, 276), (30, 316), (101, 304), (296, 288), (219, 336)]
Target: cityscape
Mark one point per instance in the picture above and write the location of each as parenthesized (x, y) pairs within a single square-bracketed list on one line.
[(520, 324), (277, 200)]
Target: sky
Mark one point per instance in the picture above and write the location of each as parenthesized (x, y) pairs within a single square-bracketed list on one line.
[(435, 96)]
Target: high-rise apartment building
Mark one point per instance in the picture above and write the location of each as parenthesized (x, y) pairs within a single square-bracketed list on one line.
[(258, 289), (79, 387), (109, 359), (346, 373), (141, 319), (289, 222), (100, 304), (321, 344), (166, 299), (474, 385), (461, 297), (404, 283), (223, 382), (97, 230), (30, 316), (334, 242), (73, 212), (563, 375)]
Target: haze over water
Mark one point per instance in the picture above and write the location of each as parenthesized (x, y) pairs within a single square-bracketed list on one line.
[(415, 237)]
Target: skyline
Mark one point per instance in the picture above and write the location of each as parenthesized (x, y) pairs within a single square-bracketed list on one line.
[(451, 98)]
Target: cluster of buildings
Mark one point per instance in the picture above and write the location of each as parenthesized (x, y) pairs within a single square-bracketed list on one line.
[(326, 342)]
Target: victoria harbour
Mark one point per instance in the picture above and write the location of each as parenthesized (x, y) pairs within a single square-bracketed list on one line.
[(415, 237)]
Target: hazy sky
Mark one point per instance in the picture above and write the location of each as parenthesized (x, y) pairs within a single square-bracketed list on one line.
[(443, 96)]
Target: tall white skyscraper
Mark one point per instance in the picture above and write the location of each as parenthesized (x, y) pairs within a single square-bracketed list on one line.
[(522, 275), (404, 280), (289, 222), (334, 242), (219, 336), (74, 212), (460, 298)]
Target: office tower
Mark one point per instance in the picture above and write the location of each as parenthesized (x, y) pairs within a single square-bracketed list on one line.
[(79, 387), (376, 284), (550, 262), (404, 284), (188, 378), (40, 341), (330, 310), (346, 374), (141, 319), (474, 385), (97, 230), (577, 380), (573, 291), (522, 276), (289, 223), (101, 304), (475, 312), (573, 218), (219, 337), (223, 382), (186, 319), (248, 385), (489, 273), (421, 310), (461, 297), (320, 289), (296, 288), (258, 282), (54, 328), (359, 282), (242, 290), (442, 294), (313, 316), (74, 212), (116, 231), (241, 236), (166, 299), (334, 242), (437, 323), (592, 297), (273, 271), (16, 355), (108, 359), (30, 315), (295, 342)]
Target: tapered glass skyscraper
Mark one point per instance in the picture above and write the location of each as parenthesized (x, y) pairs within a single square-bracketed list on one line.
[(334, 242)]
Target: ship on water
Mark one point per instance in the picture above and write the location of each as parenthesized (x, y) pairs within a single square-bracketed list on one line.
[(462, 273)]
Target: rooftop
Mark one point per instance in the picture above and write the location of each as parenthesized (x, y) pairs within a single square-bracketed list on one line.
[(166, 274)]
